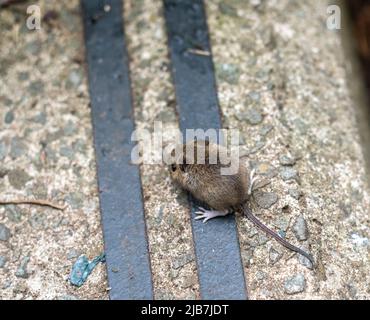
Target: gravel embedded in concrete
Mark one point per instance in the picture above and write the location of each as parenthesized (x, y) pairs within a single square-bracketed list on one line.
[(4, 232), (304, 98), (288, 173), (295, 284), (300, 228), (38, 116), (265, 199)]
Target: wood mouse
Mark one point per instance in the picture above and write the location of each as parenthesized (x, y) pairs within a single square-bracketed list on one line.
[(223, 193)]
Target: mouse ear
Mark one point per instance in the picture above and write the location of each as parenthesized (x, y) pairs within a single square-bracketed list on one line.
[(183, 167)]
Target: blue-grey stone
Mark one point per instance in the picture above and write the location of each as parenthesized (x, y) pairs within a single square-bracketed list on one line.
[(252, 115), (255, 96), (286, 160), (18, 178), (23, 76), (36, 88), (2, 261), (17, 148), (40, 118), (14, 213), (265, 199), (295, 284), (9, 117), (266, 129), (75, 199), (70, 128), (228, 72), (22, 268), (33, 48), (66, 151), (288, 173), (74, 78), (4, 232), (300, 228), (295, 193), (274, 256)]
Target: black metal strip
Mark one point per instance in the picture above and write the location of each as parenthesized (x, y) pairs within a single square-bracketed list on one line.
[(126, 244), (217, 249)]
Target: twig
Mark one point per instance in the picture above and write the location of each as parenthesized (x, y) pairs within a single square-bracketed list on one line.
[(36, 202), (199, 52)]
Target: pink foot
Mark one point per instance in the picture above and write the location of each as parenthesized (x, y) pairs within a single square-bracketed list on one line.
[(209, 214)]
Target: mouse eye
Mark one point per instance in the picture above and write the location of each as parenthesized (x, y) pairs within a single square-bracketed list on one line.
[(173, 167)]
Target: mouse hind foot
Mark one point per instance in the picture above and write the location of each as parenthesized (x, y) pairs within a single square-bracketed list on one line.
[(209, 214)]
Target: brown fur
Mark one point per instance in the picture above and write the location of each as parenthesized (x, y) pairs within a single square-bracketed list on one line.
[(205, 182)]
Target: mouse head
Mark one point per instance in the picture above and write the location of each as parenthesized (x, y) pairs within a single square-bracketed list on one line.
[(186, 164), (179, 173)]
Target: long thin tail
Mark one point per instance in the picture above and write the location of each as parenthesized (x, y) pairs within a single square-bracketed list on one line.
[(248, 213)]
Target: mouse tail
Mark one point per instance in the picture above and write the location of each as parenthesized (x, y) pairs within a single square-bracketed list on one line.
[(248, 213)]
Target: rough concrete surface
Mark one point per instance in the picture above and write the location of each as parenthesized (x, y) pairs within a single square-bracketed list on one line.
[(281, 77), (46, 153), (279, 59)]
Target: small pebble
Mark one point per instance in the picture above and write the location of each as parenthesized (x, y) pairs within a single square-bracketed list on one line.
[(75, 78), (286, 160), (18, 178), (2, 261), (9, 117), (39, 118), (253, 116), (14, 213), (265, 199), (266, 129), (274, 256), (303, 260), (4, 232), (282, 223), (6, 285), (295, 284), (17, 148), (266, 169), (22, 76), (255, 96), (295, 193), (36, 88), (260, 275), (228, 72), (288, 173), (22, 269), (359, 241), (300, 228)]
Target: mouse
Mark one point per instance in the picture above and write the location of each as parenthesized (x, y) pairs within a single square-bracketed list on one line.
[(224, 194)]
